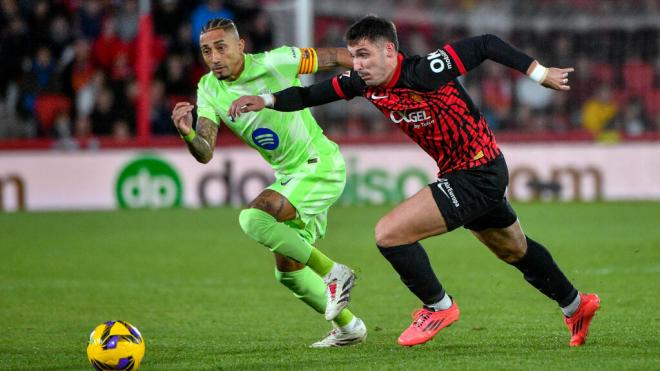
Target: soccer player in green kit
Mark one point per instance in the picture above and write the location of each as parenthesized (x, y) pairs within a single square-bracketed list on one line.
[(310, 174)]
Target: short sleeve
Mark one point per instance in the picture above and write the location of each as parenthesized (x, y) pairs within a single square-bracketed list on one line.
[(204, 106), (292, 61)]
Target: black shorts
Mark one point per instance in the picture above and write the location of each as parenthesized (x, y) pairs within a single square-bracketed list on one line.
[(475, 198)]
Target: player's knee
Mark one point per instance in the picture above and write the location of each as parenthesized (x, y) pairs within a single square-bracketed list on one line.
[(284, 264), (384, 234), (254, 223), (511, 252)]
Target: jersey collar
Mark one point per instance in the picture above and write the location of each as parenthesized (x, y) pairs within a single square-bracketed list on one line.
[(397, 72)]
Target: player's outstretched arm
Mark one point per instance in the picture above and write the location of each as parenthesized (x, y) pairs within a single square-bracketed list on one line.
[(458, 58), (290, 99), (247, 103), (329, 58), (550, 77), (200, 142)]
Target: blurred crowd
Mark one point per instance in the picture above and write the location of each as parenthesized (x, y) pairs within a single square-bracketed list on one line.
[(68, 66)]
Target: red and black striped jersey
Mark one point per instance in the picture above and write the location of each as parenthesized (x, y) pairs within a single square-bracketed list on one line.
[(426, 101)]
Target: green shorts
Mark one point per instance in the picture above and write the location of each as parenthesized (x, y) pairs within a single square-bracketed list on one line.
[(312, 188)]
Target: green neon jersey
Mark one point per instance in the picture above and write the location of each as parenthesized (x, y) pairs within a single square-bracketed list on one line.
[(285, 139)]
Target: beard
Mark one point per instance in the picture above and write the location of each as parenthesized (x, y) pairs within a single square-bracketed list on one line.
[(221, 76)]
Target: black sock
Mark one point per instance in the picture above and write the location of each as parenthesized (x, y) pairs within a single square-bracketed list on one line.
[(414, 268), (541, 271)]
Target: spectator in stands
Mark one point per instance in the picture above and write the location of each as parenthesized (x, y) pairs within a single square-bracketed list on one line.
[(529, 93), (78, 48), (108, 46), (582, 86), (122, 69), (496, 91), (168, 18), (43, 70), (209, 9), (62, 126), (161, 122), (121, 131), (103, 116), (127, 21), (477, 98), (127, 99), (59, 35), (559, 113), (86, 93), (563, 50), (632, 120), (39, 21), (83, 129), (90, 18), (599, 111), (14, 48), (176, 76), (260, 33)]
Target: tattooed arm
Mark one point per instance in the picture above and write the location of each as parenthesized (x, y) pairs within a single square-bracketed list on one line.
[(200, 142), (329, 58), (203, 143)]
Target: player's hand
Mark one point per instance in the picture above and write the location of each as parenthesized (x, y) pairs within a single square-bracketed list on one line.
[(182, 117), (248, 103), (557, 78)]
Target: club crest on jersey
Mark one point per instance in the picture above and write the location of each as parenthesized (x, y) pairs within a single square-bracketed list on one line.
[(415, 97), (265, 138)]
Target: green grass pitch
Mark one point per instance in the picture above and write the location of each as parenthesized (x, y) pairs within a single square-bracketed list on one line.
[(205, 298)]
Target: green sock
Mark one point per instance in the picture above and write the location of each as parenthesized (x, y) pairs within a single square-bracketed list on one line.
[(344, 318), (278, 237), (309, 287), (320, 263), (306, 286)]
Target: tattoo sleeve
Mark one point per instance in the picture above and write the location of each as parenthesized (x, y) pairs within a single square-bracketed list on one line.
[(201, 147), (333, 57)]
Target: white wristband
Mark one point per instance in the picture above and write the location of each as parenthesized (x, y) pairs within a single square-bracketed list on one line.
[(269, 100), (539, 73)]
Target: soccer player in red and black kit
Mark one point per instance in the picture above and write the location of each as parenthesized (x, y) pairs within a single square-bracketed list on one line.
[(421, 94)]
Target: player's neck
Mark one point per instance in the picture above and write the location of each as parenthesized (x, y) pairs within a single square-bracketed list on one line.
[(393, 65), (236, 73)]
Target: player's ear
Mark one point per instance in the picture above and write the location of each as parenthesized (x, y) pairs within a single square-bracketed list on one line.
[(241, 45), (390, 50)]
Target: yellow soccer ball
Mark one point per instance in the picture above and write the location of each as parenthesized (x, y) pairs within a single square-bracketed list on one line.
[(115, 345)]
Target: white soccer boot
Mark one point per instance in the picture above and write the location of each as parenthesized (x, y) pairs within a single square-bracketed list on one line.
[(340, 337), (338, 285)]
